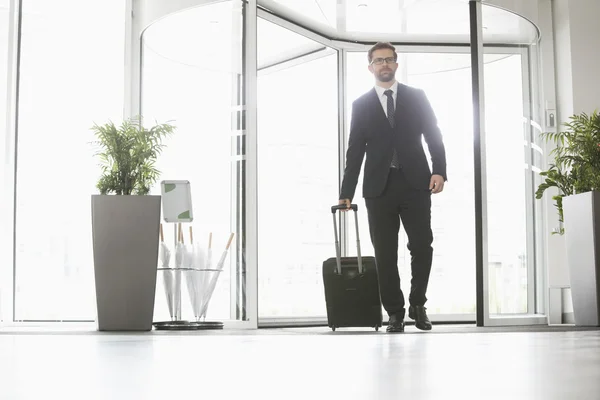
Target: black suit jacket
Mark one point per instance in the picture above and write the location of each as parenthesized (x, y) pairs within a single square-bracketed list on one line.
[(371, 133)]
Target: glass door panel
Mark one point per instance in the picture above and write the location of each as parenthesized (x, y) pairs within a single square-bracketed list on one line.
[(297, 176), (510, 159), (508, 189), (197, 83)]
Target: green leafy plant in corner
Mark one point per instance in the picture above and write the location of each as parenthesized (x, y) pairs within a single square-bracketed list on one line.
[(576, 165), (128, 154)]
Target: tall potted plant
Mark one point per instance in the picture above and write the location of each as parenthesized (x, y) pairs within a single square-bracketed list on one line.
[(125, 224), (575, 172)]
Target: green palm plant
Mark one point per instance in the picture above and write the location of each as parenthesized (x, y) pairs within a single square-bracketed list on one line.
[(576, 165), (128, 154)]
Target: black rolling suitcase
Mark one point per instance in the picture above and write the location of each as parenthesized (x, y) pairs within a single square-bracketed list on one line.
[(351, 286)]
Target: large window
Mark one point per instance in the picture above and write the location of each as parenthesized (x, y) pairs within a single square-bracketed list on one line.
[(71, 76), (446, 79), (5, 209), (4, 26), (297, 176)]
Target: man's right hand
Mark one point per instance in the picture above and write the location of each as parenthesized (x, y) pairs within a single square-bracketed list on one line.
[(345, 202)]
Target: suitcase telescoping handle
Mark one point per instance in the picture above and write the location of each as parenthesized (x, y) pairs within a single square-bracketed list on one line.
[(338, 252)]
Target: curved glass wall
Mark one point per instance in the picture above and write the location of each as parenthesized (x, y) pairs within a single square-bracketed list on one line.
[(413, 21), (311, 66), (513, 159), (192, 75), (434, 55), (305, 83)]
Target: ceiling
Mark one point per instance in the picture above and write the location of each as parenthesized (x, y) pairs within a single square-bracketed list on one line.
[(403, 20), (203, 37)]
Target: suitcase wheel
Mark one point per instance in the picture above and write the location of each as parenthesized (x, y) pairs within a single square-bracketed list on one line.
[(376, 329), (333, 328)]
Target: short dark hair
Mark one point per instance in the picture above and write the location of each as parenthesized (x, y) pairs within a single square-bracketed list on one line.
[(381, 45)]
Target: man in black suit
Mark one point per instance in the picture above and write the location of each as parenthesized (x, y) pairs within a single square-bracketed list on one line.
[(388, 124)]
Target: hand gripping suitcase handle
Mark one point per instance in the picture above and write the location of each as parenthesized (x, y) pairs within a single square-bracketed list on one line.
[(343, 207), (338, 252)]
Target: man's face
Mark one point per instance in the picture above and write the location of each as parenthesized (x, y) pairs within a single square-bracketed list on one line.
[(383, 65)]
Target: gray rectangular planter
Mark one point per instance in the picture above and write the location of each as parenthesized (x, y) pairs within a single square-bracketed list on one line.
[(125, 232), (582, 234)]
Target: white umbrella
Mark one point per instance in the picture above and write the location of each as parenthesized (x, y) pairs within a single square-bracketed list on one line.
[(168, 279), (193, 261), (204, 278), (208, 263), (175, 283), (165, 253), (212, 282)]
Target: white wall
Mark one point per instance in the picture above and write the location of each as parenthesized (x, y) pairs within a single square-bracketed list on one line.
[(585, 45), (577, 62), (562, 49), (577, 36)]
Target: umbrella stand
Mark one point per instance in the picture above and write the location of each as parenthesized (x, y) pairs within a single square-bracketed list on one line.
[(201, 281)]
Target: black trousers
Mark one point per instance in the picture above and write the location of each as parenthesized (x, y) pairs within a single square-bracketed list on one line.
[(398, 202)]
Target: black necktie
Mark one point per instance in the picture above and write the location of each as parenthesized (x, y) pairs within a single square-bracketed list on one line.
[(390, 116)]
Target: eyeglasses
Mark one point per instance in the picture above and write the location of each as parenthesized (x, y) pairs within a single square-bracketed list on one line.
[(380, 61)]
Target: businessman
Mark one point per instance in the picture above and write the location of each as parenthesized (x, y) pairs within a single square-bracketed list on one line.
[(388, 124)]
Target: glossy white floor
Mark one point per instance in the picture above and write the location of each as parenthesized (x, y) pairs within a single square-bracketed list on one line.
[(447, 363)]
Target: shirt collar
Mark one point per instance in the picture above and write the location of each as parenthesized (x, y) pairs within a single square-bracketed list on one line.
[(393, 88)]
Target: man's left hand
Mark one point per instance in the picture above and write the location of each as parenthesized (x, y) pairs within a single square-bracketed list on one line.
[(436, 184)]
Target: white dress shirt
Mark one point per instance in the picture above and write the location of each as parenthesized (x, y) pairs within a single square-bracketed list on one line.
[(383, 98)]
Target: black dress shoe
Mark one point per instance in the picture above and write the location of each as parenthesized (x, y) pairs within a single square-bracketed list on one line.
[(396, 324), (419, 314)]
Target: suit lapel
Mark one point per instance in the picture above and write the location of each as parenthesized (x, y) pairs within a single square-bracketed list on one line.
[(402, 106), (375, 104)]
